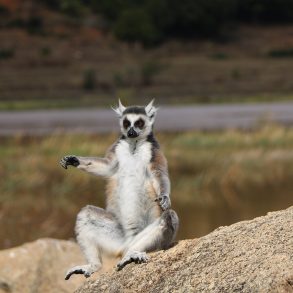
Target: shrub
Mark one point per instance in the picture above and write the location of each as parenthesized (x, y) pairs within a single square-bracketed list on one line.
[(34, 25), (281, 53), (89, 79), (3, 10), (45, 51), (192, 18), (71, 7), (118, 79), (136, 25), (219, 56), (265, 11), (149, 70), (6, 53)]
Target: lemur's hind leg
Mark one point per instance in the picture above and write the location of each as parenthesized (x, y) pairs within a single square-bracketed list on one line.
[(97, 231), (158, 235)]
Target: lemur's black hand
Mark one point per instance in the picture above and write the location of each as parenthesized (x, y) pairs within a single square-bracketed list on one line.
[(69, 161), (164, 202)]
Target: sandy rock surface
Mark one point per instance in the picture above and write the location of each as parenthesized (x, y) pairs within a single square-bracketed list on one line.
[(40, 267), (249, 256)]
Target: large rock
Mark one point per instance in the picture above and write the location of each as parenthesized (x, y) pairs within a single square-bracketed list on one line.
[(250, 256), (40, 267)]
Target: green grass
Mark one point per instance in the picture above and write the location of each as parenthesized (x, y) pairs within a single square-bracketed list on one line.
[(217, 178), (128, 95)]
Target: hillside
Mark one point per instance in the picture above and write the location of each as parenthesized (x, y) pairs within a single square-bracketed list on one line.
[(67, 62)]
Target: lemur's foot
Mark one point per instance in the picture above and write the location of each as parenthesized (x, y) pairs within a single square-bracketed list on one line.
[(164, 202), (69, 161), (134, 256), (86, 270)]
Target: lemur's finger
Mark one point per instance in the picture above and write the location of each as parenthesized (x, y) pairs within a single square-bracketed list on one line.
[(67, 277), (165, 206), (63, 163), (69, 274), (136, 257), (123, 263), (87, 274), (77, 272)]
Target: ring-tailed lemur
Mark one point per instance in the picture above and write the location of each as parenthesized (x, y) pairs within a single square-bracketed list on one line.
[(137, 218)]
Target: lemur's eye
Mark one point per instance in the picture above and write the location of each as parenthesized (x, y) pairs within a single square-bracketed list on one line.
[(126, 123), (139, 123)]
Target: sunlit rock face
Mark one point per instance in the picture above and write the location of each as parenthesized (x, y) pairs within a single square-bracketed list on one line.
[(250, 256), (40, 266)]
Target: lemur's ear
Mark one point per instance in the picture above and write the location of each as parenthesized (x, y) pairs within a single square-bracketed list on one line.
[(120, 109), (151, 110)]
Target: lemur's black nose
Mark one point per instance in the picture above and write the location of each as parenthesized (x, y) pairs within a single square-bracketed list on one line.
[(132, 133)]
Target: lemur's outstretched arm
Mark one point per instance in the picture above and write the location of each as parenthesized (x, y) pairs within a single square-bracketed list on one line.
[(161, 182), (98, 166)]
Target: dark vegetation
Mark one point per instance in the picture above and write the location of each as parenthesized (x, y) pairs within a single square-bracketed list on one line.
[(76, 53), (154, 21), (6, 53)]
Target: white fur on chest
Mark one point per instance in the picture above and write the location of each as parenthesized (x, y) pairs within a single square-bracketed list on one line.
[(132, 176), (133, 159)]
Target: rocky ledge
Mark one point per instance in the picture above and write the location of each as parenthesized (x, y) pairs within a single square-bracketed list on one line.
[(40, 267), (249, 256)]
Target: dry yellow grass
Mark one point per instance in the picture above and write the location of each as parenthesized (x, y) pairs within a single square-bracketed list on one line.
[(217, 178), (242, 70)]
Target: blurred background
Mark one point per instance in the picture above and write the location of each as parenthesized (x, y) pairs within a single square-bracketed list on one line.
[(69, 55)]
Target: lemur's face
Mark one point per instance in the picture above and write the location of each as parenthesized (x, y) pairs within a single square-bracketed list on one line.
[(135, 125), (136, 122)]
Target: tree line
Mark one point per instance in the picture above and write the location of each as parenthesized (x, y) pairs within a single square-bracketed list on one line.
[(153, 21)]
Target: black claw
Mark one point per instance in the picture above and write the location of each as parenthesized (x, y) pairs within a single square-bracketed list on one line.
[(122, 265), (77, 272), (63, 164), (67, 277), (137, 260)]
